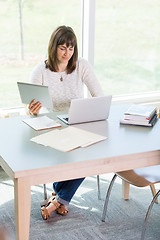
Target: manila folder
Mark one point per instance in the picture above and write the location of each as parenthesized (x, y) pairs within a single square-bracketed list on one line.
[(68, 139)]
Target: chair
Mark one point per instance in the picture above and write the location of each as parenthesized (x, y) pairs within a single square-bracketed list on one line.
[(98, 185), (140, 177)]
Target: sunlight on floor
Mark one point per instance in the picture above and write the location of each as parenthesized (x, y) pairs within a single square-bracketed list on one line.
[(5, 188), (8, 195)]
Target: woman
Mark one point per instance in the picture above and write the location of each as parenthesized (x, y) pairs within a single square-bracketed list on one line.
[(65, 75)]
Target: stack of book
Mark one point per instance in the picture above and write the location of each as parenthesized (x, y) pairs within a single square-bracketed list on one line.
[(137, 114)]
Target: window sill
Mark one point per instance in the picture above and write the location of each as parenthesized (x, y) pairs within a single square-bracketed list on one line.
[(148, 98), (152, 98)]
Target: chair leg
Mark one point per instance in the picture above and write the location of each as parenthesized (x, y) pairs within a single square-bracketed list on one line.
[(125, 189), (98, 185), (153, 189), (148, 214), (107, 198), (45, 192)]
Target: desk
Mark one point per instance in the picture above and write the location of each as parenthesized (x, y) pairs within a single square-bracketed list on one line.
[(28, 163)]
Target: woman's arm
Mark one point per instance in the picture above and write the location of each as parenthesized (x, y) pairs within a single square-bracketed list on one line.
[(37, 78), (90, 79)]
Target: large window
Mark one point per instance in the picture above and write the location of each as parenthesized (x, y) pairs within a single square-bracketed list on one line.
[(127, 37), (39, 19), (127, 45)]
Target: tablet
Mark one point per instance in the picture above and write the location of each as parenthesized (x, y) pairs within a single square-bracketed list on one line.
[(29, 91)]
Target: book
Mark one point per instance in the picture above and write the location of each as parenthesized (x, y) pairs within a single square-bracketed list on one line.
[(41, 123), (140, 112), (137, 118), (146, 123)]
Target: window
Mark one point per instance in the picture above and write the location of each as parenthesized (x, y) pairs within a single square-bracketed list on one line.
[(127, 45), (39, 19), (127, 36)]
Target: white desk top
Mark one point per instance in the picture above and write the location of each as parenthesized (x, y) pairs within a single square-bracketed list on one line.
[(20, 154)]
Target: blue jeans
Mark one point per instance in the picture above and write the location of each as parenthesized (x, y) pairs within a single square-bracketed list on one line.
[(66, 189)]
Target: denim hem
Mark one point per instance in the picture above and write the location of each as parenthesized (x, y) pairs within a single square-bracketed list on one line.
[(61, 200)]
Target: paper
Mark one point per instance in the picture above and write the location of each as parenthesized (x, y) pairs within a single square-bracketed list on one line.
[(41, 123), (68, 139)]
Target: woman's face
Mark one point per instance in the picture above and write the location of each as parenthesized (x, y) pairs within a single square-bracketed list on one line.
[(64, 53)]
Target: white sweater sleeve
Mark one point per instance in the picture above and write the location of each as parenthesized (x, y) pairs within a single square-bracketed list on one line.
[(36, 76), (90, 80)]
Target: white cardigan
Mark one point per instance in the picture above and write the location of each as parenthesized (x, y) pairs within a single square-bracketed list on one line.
[(63, 87)]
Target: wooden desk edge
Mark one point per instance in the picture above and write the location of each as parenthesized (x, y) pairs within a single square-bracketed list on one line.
[(84, 169)]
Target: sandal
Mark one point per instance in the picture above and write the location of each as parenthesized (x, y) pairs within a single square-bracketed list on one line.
[(51, 206), (45, 201), (62, 210)]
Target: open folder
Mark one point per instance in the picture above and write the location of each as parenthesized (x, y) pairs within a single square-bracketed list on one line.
[(41, 123), (68, 139)]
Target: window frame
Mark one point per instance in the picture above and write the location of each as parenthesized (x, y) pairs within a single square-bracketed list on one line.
[(87, 46)]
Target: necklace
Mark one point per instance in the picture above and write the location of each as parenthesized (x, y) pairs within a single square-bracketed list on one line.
[(62, 72), (62, 76)]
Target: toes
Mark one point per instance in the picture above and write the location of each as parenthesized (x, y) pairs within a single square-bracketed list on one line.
[(44, 213), (62, 210)]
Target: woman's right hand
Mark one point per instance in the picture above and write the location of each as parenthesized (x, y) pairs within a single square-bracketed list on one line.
[(34, 107)]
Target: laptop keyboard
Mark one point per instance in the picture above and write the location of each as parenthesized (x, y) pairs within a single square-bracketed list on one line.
[(66, 119)]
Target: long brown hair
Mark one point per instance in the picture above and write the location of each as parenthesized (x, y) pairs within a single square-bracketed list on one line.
[(62, 35)]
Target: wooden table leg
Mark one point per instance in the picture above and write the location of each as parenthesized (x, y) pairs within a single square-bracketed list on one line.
[(22, 198)]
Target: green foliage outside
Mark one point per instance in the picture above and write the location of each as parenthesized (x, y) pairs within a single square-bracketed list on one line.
[(39, 18), (127, 45), (127, 40)]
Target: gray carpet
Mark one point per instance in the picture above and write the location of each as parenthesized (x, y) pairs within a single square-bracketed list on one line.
[(124, 221)]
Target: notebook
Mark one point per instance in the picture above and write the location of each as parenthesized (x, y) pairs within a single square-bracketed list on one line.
[(29, 91), (87, 110)]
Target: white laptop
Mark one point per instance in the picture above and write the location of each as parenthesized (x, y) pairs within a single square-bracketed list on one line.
[(29, 91), (87, 110)]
